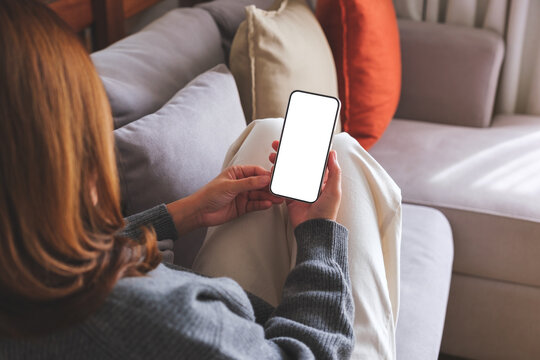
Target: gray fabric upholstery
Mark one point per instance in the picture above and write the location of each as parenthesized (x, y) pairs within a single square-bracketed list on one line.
[(489, 319), (143, 71), (426, 267), (170, 154), (486, 181), (450, 73), (228, 15), (140, 20)]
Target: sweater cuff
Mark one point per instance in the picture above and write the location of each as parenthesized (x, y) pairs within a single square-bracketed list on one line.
[(158, 217), (320, 239)]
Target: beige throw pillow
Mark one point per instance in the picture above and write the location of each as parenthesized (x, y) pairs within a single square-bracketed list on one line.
[(277, 51)]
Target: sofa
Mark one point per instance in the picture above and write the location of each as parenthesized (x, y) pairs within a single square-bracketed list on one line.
[(174, 106), (448, 149)]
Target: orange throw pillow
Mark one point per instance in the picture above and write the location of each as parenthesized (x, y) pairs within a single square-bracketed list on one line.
[(364, 38)]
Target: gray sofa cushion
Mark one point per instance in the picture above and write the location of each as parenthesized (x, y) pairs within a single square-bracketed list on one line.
[(228, 15), (450, 73), (426, 268), (143, 71), (489, 319), (486, 182), (170, 154)]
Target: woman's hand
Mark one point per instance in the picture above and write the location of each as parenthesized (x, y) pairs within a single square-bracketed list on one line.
[(327, 205), (236, 191)]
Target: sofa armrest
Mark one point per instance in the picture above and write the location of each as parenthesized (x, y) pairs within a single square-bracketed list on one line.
[(450, 73)]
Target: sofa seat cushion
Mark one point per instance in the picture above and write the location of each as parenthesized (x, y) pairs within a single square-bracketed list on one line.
[(486, 182), (426, 269), (144, 70)]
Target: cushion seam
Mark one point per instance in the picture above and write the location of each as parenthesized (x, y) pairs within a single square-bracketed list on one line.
[(470, 209), (486, 278)]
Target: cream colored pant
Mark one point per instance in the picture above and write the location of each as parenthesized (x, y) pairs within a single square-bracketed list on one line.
[(258, 250)]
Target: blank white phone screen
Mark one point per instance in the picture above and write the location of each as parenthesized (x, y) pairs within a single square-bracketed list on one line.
[(304, 146)]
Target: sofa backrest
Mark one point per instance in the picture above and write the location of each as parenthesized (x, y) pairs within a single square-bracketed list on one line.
[(143, 71), (228, 14), (450, 73)]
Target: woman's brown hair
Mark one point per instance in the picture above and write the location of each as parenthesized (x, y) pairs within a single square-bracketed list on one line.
[(60, 248)]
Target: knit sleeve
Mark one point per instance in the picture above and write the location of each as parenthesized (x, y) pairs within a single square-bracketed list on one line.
[(158, 217), (315, 317), (317, 307)]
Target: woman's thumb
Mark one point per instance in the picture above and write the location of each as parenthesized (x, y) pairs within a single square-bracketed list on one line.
[(250, 183), (334, 173)]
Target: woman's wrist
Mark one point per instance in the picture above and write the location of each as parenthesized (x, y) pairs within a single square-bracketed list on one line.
[(321, 238), (185, 214)]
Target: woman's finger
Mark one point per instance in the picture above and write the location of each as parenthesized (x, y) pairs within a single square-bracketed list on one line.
[(254, 170), (334, 174), (275, 144), (249, 183), (258, 205), (245, 171), (272, 158), (264, 195)]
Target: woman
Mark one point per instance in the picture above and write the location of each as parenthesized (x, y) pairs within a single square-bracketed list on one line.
[(73, 285)]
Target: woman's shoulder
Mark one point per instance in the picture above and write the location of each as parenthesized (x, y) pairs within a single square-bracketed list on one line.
[(170, 289), (166, 305), (159, 315)]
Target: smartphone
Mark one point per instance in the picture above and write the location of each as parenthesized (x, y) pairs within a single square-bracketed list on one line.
[(304, 145)]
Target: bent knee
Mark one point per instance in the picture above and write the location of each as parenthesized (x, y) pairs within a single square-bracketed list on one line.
[(269, 126), (344, 143)]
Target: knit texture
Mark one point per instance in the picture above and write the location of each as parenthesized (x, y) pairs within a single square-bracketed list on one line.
[(158, 217), (172, 314)]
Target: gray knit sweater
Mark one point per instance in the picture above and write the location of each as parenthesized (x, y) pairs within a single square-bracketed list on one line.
[(172, 314)]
